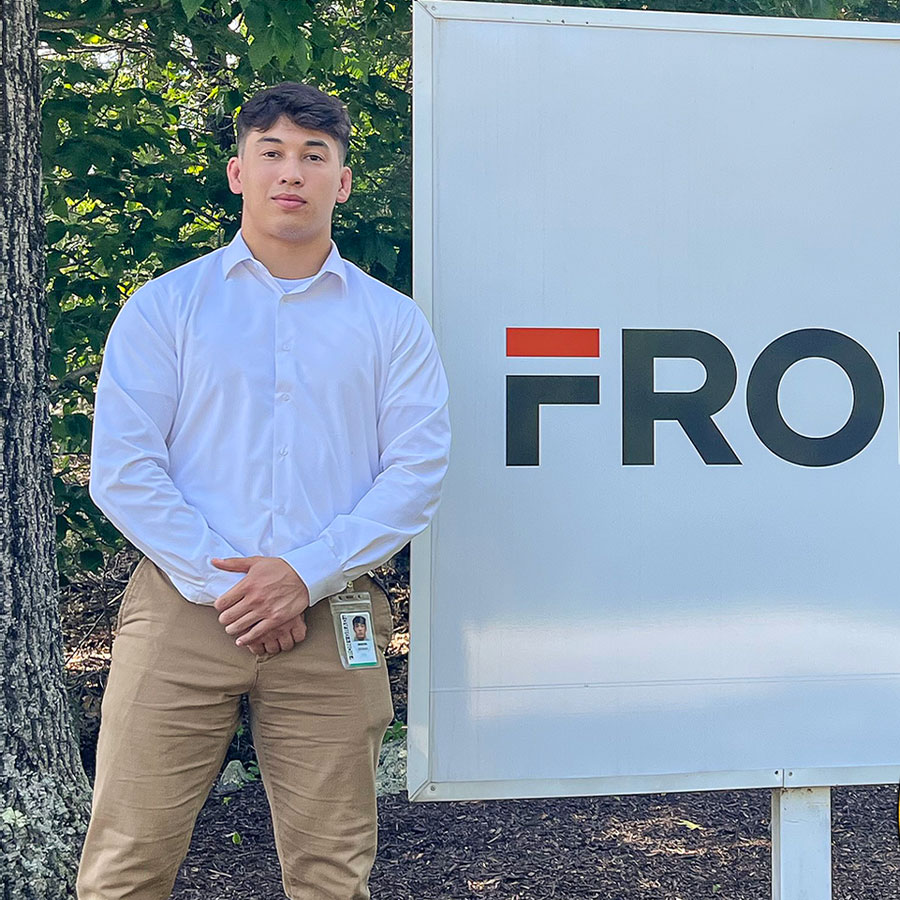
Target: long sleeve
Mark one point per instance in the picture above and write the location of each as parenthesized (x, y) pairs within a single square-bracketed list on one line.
[(414, 447), (135, 406)]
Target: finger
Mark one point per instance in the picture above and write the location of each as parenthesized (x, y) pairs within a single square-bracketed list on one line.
[(272, 645), (247, 606), (285, 641), (234, 563), (234, 612), (298, 627), (254, 647), (233, 595), (244, 623), (257, 632)]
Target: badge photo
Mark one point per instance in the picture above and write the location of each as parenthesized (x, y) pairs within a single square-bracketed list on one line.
[(352, 615)]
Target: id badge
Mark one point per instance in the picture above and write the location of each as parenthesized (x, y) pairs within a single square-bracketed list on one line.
[(354, 629)]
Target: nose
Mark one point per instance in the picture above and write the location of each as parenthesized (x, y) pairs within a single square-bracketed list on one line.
[(291, 173)]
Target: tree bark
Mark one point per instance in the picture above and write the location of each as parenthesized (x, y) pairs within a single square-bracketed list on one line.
[(44, 794)]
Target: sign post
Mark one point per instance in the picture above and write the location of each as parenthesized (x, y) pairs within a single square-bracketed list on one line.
[(801, 844)]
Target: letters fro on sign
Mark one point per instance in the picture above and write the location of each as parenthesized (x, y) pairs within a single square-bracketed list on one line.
[(643, 405)]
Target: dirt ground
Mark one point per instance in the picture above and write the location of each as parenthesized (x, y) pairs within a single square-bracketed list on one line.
[(653, 847)]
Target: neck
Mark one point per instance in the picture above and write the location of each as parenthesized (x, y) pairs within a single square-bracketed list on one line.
[(288, 259)]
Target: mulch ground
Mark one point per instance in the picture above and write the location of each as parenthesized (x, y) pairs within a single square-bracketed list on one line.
[(653, 847)]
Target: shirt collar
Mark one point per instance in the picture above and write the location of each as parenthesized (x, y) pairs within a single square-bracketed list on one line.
[(237, 251)]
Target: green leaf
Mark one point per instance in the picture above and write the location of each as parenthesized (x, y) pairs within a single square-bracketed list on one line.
[(56, 230), (78, 425), (261, 50), (320, 36), (91, 559), (302, 54), (284, 18), (60, 41), (57, 365), (190, 7), (283, 46), (256, 17)]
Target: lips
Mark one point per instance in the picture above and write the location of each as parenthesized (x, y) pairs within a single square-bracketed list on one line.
[(289, 201)]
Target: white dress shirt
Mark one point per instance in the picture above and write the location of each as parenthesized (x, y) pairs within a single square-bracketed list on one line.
[(234, 419)]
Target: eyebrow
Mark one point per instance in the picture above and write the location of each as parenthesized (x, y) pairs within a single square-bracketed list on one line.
[(312, 142)]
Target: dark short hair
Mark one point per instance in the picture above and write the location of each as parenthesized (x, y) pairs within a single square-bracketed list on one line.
[(305, 105), (359, 620)]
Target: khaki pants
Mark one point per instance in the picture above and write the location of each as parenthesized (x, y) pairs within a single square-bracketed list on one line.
[(170, 709)]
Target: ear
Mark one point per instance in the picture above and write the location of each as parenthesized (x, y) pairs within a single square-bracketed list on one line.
[(346, 181), (233, 171)]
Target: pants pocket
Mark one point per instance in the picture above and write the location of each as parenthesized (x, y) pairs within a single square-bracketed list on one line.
[(128, 592), (387, 616)]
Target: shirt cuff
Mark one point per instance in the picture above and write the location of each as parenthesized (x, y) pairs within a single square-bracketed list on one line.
[(319, 568)]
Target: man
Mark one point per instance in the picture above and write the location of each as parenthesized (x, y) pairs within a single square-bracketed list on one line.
[(270, 424)]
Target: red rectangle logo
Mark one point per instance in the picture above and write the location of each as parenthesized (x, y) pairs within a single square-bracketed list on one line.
[(552, 341)]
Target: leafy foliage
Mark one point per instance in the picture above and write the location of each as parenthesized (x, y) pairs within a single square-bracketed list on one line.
[(138, 110)]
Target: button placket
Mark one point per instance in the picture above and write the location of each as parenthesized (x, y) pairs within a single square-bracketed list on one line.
[(282, 425)]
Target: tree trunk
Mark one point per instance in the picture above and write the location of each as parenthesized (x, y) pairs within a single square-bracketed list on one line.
[(44, 794)]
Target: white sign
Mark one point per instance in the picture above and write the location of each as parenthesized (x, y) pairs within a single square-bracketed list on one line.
[(661, 256)]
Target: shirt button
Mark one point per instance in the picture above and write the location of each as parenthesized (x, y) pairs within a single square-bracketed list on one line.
[(286, 345), (283, 451), (285, 396)]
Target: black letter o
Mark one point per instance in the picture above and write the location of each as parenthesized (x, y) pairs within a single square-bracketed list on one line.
[(762, 397)]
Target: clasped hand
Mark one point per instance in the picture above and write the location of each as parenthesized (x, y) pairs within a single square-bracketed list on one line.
[(265, 609)]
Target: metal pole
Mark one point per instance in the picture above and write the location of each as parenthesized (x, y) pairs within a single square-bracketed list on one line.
[(801, 843)]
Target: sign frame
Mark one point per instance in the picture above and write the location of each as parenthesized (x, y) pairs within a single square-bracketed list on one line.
[(427, 17)]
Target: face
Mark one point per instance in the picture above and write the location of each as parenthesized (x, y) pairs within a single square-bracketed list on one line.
[(360, 630), (295, 161)]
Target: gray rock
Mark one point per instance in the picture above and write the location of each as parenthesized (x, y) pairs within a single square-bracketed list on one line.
[(391, 775), (233, 778)]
